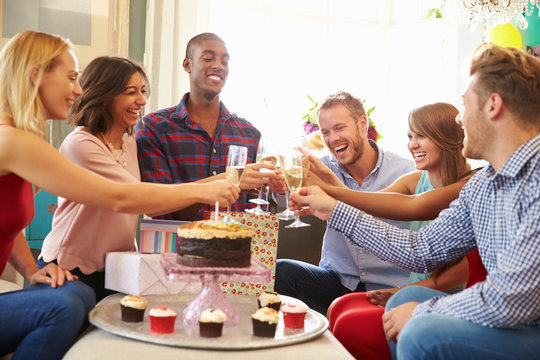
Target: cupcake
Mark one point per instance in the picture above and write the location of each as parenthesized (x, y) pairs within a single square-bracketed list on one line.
[(162, 320), (211, 323), (132, 308), (269, 299), (293, 316), (265, 321)]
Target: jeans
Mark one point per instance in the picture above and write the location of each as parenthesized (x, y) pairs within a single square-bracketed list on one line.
[(95, 280), (41, 322), (432, 336), (315, 286)]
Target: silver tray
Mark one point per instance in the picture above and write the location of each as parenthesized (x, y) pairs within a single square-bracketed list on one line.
[(106, 316)]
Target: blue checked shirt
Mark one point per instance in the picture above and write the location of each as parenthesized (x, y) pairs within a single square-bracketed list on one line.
[(173, 149), (354, 265), (496, 212)]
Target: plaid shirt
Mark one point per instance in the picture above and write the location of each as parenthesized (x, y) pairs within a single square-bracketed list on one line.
[(174, 149), (496, 212)]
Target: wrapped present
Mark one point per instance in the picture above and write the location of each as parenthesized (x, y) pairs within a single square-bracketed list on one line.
[(263, 248), (158, 236), (134, 273)]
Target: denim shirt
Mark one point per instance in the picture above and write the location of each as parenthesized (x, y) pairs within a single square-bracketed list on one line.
[(351, 263)]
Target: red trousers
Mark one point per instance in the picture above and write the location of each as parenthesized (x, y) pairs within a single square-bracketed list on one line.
[(357, 323)]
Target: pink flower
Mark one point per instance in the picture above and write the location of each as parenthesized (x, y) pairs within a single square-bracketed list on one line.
[(372, 133), (310, 127)]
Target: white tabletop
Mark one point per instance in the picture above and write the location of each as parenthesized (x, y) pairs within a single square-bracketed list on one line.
[(99, 344)]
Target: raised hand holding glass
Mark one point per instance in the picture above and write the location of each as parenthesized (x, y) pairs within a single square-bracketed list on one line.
[(236, 162), (291, 165)]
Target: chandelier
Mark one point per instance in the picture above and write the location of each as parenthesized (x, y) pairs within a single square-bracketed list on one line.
[(491, 13)]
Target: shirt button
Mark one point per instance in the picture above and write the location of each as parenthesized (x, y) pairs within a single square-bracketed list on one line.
[(213, 172), (214, 150), (360, 251), (363, 273)]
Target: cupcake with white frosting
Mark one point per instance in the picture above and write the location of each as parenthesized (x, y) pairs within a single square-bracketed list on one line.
[(269, 299), (211, 323), (265, 322), (132, 308)]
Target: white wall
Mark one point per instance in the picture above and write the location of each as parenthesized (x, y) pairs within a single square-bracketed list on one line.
[(280, 53)]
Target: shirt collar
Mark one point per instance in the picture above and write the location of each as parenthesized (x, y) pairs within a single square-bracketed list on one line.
[(519, 158), (180, 112), (380, 155)]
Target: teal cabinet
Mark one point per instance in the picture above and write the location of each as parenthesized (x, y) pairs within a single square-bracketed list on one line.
[(45, 205)]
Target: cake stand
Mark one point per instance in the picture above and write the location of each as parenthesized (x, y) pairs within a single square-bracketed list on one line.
[(211, 295)]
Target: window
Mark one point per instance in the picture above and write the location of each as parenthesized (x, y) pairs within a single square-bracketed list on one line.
[(380, 51)]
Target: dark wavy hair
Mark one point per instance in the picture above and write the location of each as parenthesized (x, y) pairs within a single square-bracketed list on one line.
[(103, 79)]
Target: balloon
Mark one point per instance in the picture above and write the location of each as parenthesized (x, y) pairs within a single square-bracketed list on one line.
[(506, 35), (531, 35)]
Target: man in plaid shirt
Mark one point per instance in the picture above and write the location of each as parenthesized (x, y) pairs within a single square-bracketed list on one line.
[(497, 212), (190, 141)]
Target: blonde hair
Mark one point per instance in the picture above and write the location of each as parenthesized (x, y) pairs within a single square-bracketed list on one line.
[(438, 122), (19, 97)]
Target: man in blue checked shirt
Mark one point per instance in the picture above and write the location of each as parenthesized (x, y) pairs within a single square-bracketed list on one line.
[(497, 212), (190, 141), (360, 164)]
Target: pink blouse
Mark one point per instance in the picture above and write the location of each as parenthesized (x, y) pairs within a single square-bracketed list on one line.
[(82, 235)]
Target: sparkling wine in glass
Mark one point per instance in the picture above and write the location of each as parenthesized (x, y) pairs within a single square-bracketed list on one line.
[(236, 162), (291, 166), (262, 158)]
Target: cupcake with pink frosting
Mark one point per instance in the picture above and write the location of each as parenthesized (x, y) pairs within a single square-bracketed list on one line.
[(293, 316), (162, 320)]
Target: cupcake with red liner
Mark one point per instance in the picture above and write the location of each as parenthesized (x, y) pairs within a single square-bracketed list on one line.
[(265, 322), (293, 316), (211, 323), (162, 320), (269, 299)]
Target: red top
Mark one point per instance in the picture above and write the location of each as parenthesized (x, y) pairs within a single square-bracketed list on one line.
[(16, 212)]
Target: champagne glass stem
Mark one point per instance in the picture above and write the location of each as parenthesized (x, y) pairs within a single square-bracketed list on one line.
[(259, 198)]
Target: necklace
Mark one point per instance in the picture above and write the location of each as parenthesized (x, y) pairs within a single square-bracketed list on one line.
[(120, 155)]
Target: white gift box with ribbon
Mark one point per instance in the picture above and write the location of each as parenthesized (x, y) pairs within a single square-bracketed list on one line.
[(131, 272)]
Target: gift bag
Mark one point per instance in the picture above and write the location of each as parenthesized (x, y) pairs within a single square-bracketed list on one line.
[(263, 248), (158, 236)]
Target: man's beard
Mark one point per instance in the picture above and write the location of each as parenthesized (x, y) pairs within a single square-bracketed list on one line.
[(357, 149)]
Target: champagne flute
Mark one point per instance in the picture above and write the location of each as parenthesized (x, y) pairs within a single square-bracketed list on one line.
[(236, 162), (288, 214), (291, 166), (262, 158), (271, 160)]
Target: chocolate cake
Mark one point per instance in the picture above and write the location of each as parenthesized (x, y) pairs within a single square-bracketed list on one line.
[(213, 244)]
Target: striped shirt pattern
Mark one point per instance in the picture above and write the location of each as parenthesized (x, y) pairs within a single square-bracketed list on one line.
[(496, 212), (173, 149)]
